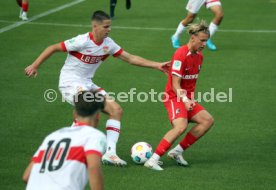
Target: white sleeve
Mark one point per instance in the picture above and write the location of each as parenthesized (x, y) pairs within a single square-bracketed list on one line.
[(76, 43), (114, 48), (96, 144)]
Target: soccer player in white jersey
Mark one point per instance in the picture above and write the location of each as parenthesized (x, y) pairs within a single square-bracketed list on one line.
[(86, 52), (70, 156), (193, 7)]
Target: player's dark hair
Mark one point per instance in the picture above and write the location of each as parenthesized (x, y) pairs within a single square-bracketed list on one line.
[(88, 103), (100, 16)]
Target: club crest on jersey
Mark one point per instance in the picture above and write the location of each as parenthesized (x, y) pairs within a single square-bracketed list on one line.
[(105, 49), (176, 65), (186, 71)]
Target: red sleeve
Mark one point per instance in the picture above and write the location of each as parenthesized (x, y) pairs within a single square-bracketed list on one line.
[(178, 62), (118, 53), (63, 47)]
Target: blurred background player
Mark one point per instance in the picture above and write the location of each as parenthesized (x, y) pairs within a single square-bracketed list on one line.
[(193, 7), (113, 5), (181, 107), (24, 4), (86, 52), (70, 156)]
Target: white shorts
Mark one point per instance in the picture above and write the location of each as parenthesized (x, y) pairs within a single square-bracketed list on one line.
[(70, 89), (211, 3), (194, 6)]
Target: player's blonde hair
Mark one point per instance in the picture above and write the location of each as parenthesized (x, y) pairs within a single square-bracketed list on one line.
[(195, 28)]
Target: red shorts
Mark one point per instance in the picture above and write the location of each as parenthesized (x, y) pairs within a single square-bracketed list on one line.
[(176, 109)]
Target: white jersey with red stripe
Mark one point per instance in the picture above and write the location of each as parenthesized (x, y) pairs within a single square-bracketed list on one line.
[(60, 161), (85, 56)]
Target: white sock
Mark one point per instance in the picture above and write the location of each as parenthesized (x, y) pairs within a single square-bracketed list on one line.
[(180, 29), (155, 156), (178, 148), (112, 134), (212, 28)]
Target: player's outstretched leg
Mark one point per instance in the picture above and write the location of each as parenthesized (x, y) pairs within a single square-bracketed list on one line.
[(113, 127)]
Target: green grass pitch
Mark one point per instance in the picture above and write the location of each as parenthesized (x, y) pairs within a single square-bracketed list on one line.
[(237, 153)]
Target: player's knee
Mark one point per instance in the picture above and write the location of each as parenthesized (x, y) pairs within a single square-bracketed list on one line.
[(209, 121), (180, 130)]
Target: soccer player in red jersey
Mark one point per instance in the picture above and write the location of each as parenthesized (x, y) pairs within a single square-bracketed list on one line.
[(179, 101), (24, 4)]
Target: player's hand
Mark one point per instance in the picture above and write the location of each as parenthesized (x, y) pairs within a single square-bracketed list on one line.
[(165, 67), (31, 71), (189, 104)]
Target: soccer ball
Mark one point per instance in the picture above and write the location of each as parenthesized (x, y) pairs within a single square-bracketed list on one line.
[(141, 152)]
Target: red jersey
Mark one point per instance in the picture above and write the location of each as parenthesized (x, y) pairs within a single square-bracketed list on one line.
[(185, 65)]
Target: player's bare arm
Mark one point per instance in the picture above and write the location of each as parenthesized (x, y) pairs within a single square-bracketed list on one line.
[(139, 61), (27, 172), (181, 93), (32, 70), (95, 172)]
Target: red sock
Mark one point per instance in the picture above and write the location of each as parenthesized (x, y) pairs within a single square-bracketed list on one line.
[(163, 146), (188, 140), (25, 7)]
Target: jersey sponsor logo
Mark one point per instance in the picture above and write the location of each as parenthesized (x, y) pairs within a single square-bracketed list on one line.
[(89, 59), (176, 65), (190, 76)]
